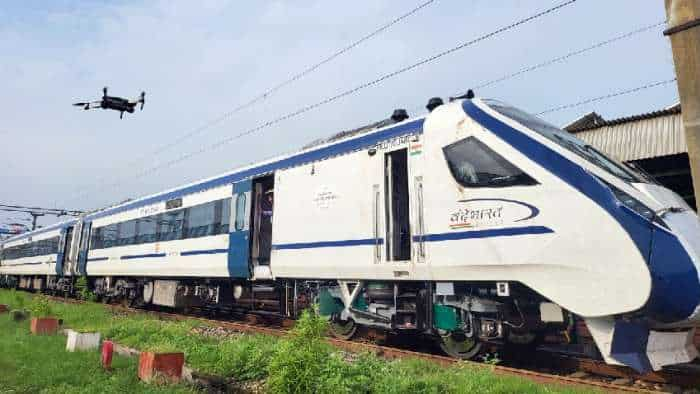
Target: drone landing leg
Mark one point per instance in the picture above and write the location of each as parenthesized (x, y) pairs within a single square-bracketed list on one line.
[(121, 115)]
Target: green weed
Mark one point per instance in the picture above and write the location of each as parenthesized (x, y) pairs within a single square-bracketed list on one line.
[(41, 307)]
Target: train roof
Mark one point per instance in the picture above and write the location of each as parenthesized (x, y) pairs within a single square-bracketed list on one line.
[(42, 230), (336, 145)]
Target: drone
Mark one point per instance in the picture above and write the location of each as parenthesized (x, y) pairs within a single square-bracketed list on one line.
[(116, 103)]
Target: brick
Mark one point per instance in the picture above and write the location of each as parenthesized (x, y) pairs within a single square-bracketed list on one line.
[(44, 326), (107, 352), (166, 365)]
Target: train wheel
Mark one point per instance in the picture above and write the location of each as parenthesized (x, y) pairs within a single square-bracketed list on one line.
[(343, 329), (461, 346)]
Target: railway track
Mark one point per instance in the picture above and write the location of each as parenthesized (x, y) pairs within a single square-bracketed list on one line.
[(568, 370)]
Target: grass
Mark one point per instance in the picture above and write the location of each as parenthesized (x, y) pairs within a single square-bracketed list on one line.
[(299, 363), (40, 364)]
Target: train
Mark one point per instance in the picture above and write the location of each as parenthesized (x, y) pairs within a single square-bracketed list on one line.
[(475, 225)]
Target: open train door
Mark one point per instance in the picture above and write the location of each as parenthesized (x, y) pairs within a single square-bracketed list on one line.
[(64, 246), (239, 233), (83, 251)]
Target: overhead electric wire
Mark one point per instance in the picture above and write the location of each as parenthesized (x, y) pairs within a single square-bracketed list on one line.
[(50, 211), (286, 82), (556, 60), (264, 95), (569, 55), (354, 90), (607, 96)]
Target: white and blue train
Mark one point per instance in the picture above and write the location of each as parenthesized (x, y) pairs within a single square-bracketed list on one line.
[(477, 225)]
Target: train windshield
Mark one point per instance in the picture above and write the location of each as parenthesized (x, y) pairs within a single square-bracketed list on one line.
[(567, 141)]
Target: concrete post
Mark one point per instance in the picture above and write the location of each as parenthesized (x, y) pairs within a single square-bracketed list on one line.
[(684, 31)]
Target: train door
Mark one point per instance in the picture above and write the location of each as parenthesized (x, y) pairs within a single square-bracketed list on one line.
[(397, 206), (261, 219), (64, 248), (239, 234), (83, 251)]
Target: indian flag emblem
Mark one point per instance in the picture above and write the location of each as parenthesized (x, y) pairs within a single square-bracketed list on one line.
[(416, 149)]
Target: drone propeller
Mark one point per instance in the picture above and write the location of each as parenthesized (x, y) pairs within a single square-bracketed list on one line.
[(86, 106), (143, 99)]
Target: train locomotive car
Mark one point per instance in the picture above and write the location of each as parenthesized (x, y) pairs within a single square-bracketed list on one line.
[(477, 225)]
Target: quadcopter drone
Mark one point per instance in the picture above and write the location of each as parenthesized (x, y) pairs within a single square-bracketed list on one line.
[(116, 103)]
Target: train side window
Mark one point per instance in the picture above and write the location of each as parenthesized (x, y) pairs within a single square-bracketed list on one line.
[(473, 164), (240, 212), (110, 234), (147, 230), (171, 224), (200, 220), (96, 239), (127, 233), (225, 216)]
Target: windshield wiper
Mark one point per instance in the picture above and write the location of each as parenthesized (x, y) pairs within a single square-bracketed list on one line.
[(662, 212)]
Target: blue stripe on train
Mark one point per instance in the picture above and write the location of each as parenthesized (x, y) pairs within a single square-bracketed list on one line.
[(205, 251), (451, 236), (490, 233), (143, 256), (329, 244)]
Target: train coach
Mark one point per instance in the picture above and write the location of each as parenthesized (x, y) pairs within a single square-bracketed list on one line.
[(477, 225)]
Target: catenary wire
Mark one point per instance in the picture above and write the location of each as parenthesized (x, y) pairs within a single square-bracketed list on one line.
[(569, 55), (607, 96), (269, 92), (555, 60), (349, 92)]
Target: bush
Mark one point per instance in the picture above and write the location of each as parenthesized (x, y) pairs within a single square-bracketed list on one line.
[(83, 290), (302, 362), (41, 307)]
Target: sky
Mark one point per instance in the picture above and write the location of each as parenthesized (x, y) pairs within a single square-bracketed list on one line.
[(199, 60)]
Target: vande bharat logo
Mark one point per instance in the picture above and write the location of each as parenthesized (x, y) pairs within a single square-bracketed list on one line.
[(487, 212)]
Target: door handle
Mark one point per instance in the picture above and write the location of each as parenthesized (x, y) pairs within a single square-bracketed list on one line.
[(421, 221), (375, 211)]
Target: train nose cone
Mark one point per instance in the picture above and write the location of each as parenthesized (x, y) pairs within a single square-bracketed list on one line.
[(675, 268)]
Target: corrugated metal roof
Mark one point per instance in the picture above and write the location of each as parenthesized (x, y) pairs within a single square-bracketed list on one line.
[(645, 136), (598, 121)]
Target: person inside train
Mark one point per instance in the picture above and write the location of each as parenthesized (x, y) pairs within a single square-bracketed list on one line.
[(265, 235)]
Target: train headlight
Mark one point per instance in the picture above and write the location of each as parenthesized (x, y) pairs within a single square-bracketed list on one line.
[(635, 205)]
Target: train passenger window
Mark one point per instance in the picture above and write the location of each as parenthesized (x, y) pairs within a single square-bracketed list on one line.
[(170, 225), (147, 230), (127, 233), (96, 241), (110, 234), (473, 164), (240, 212), (224, 215), (200, 220)]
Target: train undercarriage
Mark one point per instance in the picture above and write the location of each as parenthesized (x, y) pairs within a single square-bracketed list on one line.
[(466, 320)]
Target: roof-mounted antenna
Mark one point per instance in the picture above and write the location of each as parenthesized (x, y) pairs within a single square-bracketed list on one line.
[(434, 103), (399, 115), (469, 95)]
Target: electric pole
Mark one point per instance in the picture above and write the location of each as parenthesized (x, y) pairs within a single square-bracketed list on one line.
[(684, 32), (35, 216)]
